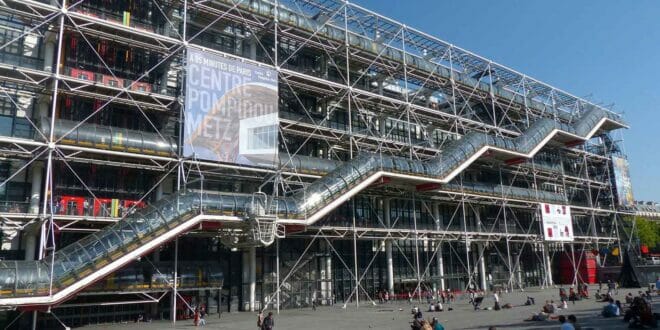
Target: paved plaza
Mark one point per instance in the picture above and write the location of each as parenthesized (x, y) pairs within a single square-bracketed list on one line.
[(397, 316)]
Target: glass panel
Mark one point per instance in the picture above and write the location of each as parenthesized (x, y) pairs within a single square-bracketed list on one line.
[(7, 281)]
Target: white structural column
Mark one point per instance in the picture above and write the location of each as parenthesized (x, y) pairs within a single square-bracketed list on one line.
[(49, 50), (158, 196), (36, 177), (388, 247), (159, 192), (29, 234), (548, 264), (249, 274), (439, 258), (482, 266), (30, 244), (328, 276)]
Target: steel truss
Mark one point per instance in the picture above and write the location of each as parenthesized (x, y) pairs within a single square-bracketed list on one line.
[(374, 91)]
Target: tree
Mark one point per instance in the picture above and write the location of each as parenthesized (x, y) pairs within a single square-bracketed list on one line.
[(647, 231)]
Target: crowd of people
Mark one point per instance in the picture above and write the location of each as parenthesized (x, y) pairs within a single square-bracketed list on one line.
[(419, 323), (636, 309)]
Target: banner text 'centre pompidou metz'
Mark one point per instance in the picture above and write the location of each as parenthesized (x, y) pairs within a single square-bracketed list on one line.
[(230, 111)]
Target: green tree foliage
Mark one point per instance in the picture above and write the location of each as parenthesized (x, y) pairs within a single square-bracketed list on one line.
[(647, 231)]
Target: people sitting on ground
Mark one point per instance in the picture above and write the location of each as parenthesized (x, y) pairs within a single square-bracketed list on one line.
[(530, 301), (436, 325), (629, 298), (432, 307), (564, 304), (640, 314), (584, 291), (565, 325), (439, 307), (571, 295), (573, 320), (416, 323), (477, 302), (562, 294), (598, 296), (548, 308), (426, 325), (541, 316), (611, 309)]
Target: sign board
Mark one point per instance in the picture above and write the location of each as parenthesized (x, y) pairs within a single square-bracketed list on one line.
[(557, 222), (231, 111), (622, 182)]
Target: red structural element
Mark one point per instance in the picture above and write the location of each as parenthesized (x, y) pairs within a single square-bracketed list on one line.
[(112, 81), (141, 87), (515, 161), (82, 74), (427, 186), (382, 181), (210, 225), (104, 207), (291, 229), (573, 143), (585, 265)]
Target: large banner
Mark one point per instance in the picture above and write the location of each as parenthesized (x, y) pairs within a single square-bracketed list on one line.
[(230, 111), (557, 223), (622, 182)]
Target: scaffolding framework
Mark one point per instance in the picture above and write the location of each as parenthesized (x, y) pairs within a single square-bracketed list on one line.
[(351, 82)]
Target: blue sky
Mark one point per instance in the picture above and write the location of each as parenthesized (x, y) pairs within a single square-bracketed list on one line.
[(607, 50)]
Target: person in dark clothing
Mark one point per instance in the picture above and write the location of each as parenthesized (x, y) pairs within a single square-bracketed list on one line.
[(571, 295), (573, 320), (268, 323)]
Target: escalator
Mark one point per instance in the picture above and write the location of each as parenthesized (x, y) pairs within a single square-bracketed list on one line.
[(322, 196), (76, 266)]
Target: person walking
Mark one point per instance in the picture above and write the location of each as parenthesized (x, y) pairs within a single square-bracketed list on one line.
[(260, 320), (196, 317), (202, 315), (269, 322), (610, 287), (86, 207)]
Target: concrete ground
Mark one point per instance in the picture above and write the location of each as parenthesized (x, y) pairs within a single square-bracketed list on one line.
[(397, 316)]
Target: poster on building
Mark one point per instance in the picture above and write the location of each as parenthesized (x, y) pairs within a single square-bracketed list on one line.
[(557, 223), (622, 182), (231, 112)]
